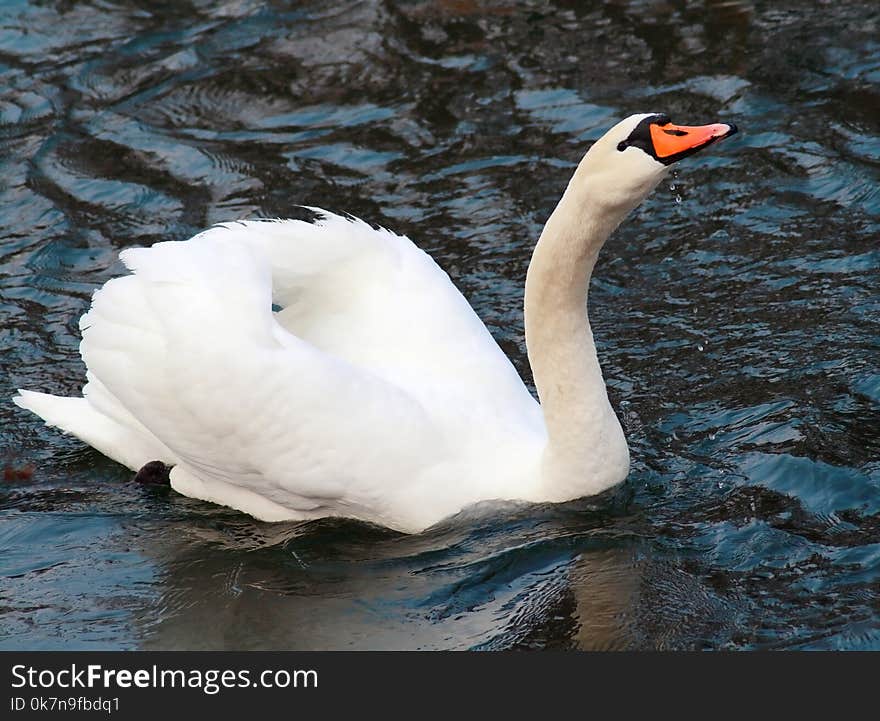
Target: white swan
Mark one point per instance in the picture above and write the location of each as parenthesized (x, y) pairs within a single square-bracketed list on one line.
[(376, 392)]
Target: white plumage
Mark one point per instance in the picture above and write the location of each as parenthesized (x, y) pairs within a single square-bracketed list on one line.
[(376, 385), (375, 392)]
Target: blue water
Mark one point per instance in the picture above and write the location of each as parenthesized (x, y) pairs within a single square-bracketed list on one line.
[(737, 312)]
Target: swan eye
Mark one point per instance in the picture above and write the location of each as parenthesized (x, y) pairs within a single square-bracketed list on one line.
[(621, 146)]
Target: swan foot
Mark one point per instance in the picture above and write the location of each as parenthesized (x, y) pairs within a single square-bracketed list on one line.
[(154, 473)]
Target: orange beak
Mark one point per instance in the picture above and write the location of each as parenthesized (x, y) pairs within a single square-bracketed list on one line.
[(677, 141)]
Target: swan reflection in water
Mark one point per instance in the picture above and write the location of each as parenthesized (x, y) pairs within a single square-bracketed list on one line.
[(495, 576)]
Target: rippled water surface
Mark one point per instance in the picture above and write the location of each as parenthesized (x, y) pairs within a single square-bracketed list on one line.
[(736, 312)]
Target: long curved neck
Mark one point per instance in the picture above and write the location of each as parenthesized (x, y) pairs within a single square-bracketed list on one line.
[(586, 450)]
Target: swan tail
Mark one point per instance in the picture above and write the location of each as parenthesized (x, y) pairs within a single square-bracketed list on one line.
[(79, 418)]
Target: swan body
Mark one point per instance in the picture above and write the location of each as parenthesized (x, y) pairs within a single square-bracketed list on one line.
[(375, 392)]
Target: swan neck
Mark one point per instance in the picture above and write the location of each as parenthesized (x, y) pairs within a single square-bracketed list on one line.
[(586, 450)]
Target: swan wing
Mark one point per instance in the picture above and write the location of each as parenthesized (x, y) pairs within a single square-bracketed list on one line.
[(257, 418), (373, 298), (187, 352)]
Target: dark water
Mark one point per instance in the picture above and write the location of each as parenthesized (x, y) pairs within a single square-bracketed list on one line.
[(736, 312)]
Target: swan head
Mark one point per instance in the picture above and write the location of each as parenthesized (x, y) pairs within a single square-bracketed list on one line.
[(627, 163)]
